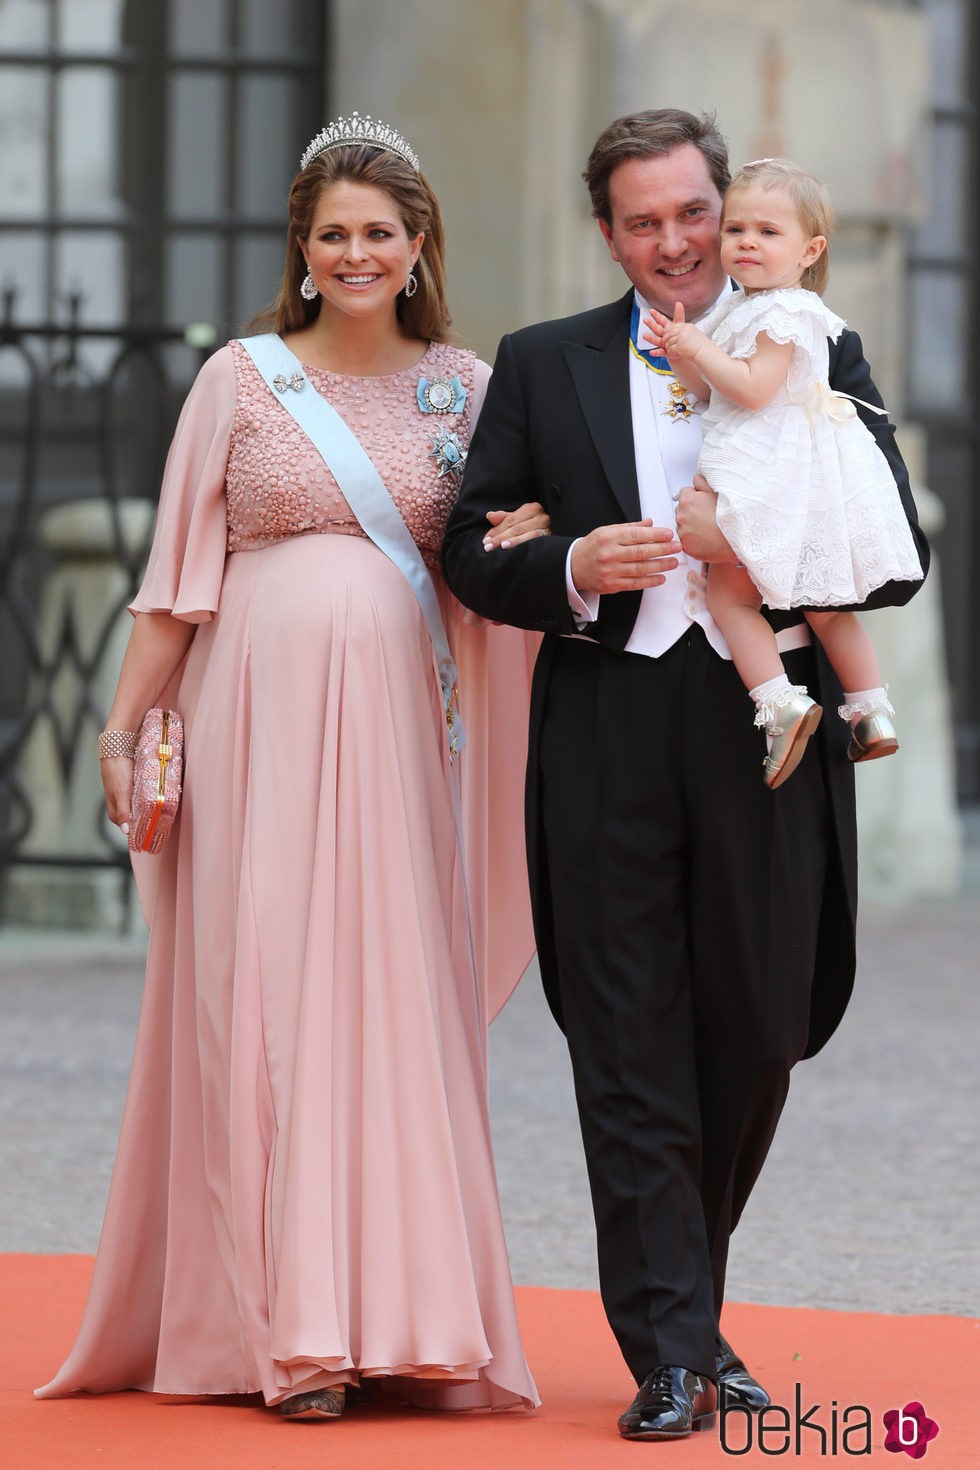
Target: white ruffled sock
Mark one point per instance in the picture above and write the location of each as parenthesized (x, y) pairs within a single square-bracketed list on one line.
[(858, 702), (766, 699)]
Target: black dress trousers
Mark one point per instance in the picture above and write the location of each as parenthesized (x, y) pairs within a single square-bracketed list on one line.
[(686, 900)]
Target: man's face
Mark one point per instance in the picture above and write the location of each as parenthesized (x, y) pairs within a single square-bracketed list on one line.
[(664, 231)]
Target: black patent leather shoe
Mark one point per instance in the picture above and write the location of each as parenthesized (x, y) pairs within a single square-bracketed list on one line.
[(737, 1389), (672, 1402)]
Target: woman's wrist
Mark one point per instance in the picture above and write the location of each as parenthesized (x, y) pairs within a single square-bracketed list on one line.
[(113, 743)]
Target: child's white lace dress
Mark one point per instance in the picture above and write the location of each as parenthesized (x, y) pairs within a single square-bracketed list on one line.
[(806, 498)]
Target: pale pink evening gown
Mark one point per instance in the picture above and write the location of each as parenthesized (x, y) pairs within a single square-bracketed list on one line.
[(304, 1191)]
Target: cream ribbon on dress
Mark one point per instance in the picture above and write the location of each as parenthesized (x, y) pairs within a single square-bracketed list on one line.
[(834, 405)]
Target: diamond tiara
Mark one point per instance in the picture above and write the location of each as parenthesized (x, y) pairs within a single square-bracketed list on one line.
[(348, 131)]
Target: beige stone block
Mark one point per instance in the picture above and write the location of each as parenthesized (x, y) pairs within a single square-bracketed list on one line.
[(841, 87), (910, 841)]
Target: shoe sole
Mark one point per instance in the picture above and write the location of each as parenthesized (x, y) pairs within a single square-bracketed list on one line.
[(310, 1416), (704, 1421), (808, 724), (871, 752)]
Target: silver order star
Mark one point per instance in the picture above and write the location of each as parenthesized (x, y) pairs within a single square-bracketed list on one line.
[(448, 454)]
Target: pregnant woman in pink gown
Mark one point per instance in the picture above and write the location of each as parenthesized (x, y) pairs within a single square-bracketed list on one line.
[(304, 1200)]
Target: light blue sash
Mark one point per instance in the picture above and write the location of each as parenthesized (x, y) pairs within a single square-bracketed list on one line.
[(365, 493)]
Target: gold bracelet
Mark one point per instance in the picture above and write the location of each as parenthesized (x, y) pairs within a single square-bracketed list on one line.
[(117, 742)]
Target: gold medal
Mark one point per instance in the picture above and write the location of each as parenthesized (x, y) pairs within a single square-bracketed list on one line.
[(680, 405)]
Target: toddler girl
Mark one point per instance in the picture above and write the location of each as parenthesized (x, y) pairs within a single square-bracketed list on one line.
[(806, 499)]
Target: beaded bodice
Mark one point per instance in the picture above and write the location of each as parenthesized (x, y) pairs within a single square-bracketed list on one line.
[(277, 484)]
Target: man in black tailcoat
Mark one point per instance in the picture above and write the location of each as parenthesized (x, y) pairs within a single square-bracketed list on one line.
[(695, 929)]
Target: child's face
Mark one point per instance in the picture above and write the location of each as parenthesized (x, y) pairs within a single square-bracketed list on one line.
[(763, 243)]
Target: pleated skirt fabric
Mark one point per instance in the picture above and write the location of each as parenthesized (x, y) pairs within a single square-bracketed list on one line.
[(304, 1192)]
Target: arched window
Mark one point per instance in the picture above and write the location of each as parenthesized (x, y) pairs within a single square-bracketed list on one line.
[(146, 152), (146, 148)]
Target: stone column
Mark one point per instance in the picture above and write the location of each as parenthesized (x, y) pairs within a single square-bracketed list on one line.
[(910, 841)]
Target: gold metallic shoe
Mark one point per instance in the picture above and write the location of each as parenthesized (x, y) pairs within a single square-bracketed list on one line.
[(324, 1403), (872, 736), (790, 720)]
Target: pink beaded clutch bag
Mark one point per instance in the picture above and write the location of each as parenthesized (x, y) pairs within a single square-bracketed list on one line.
[(157, 775)]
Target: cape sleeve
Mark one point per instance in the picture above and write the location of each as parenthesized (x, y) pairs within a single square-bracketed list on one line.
[(482, 372), (186, 563), (793, 316), (494, 664)]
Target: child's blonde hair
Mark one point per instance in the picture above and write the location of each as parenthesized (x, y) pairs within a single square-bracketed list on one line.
[(812, 200)]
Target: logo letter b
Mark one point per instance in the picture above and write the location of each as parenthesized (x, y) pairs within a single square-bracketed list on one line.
[(904, 1419)]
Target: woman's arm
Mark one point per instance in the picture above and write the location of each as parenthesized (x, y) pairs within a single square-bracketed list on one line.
[(507, 527), (157, 644)]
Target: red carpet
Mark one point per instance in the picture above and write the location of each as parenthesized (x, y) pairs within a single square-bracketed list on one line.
[(839, 1359)]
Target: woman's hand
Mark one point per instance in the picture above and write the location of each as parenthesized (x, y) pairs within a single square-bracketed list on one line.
[(117, 780), (511, 527), (157, 644)]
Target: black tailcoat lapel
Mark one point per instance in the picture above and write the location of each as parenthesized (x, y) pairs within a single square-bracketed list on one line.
[(599, 367)]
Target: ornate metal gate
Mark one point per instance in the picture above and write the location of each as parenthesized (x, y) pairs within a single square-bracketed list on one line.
[(145, 154), (87, 417)]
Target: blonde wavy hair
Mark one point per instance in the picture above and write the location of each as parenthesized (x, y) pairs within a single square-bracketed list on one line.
[(810, 197)]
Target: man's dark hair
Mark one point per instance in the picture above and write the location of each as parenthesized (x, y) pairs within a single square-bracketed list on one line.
[(650, 135)]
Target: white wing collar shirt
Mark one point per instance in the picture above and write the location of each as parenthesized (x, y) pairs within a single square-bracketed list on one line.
[(666, 449)]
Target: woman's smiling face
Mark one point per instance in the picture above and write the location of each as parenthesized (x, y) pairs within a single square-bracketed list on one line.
[(358, 250)]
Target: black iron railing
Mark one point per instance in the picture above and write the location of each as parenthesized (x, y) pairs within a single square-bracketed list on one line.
[(86, 414)]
